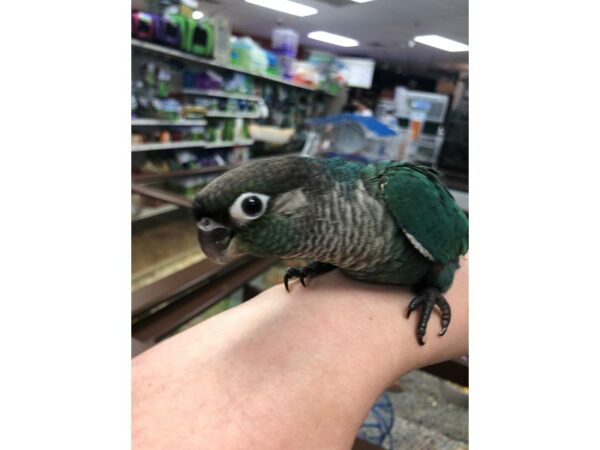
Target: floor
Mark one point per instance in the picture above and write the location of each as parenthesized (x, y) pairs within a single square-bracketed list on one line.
[(425, 419)]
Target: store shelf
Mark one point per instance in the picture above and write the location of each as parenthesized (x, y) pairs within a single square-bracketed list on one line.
[(152, 177), (228, 143), (174, 53), (174, 123), (152, 212), (243, 115), (188, 144), (222, 94), (192, 122)]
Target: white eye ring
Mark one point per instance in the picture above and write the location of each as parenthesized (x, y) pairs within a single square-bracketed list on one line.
[(240, 211)]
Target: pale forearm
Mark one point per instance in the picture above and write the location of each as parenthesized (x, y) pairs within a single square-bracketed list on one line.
[(296, 370)]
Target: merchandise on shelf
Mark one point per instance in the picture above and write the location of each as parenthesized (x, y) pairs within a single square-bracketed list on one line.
[(273, 67), (168, 29), (222, 39), (305, 73), (137, 138), (142, 25), (190, 186), (170, 109), (193, 111), (189, 160), (211, 37), (177, 30), (198, 37), (284, 42), (240, 83), (164, 137), (196, 133), (163, 85), (209, 79), (354, 137), (271, 134), (248, 55), (149, 74), (205, 79), (329, 68)]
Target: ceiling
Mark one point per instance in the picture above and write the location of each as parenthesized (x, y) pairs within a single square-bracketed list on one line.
[(383, 28)]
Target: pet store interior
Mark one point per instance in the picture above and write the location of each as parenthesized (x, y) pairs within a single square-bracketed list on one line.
[(220, 83)]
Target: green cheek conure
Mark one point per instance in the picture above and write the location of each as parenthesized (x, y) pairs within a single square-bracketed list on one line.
[(385, 222)]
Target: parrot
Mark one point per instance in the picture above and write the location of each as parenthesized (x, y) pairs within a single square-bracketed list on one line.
[(387, 222)]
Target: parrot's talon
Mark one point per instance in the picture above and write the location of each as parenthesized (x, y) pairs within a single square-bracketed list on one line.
[(302, 276), (414, 304), (427, 299), (291, 273), (303, 273), (441, 302)]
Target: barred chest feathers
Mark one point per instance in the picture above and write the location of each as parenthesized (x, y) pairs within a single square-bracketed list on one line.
[(346, 228)]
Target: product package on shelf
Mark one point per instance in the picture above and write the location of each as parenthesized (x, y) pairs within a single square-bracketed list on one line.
[(142, 25), (198, 37), (204, 79), (284, 43), (169, 29), (354, 137), (248, 55)]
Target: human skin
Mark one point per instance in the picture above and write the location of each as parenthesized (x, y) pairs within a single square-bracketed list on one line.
[(295, 370)]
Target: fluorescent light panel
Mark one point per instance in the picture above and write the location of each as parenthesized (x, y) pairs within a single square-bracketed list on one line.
[(334, 39), (362, 1), (433, 40), (286, 6)]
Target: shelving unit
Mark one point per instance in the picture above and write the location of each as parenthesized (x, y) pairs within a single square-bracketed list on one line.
[(178, 54), (188, 144), (148, 51), (151, 177), (243, 115), (170, 123), (221, 94), (146, 213)]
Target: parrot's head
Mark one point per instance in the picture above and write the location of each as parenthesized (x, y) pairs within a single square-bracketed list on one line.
[(255, 209)]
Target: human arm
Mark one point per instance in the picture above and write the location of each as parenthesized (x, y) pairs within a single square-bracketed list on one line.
[(297, 370)]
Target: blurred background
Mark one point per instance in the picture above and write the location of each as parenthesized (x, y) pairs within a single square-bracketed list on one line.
[(217, 83)]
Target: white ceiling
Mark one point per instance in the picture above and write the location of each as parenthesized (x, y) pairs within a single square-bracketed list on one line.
[(388, 23)]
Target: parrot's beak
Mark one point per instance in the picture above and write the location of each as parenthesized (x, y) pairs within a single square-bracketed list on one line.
[(214, 239)]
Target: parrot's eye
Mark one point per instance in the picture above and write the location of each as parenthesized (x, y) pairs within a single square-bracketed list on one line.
[(252, 205), (248, 206)]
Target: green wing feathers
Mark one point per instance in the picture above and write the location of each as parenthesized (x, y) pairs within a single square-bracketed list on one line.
[(424, 209)]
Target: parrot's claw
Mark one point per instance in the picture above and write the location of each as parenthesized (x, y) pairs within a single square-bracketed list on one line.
[(291, 273), (426, 300), (312, 270)]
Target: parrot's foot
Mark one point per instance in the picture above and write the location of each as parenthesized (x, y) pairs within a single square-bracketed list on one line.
[(426, 300), (312, 270)]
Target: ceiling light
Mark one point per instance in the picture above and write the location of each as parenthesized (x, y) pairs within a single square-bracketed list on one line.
[(286, 6), (197, 15), (442, 43), (362, 1), (334, 39)]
